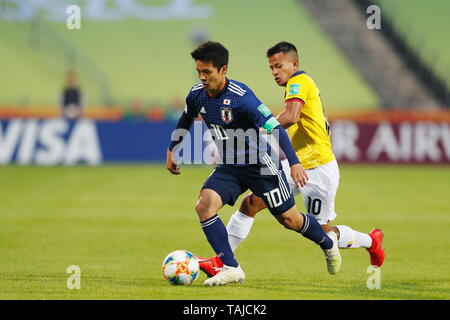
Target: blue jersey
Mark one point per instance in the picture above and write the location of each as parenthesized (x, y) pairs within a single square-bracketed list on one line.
[(234, 118)]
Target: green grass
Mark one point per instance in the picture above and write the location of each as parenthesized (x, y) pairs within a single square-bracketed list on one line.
[(118, 222)]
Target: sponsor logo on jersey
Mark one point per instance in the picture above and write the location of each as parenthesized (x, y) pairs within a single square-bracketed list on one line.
[(294, 89), (264, 110), (227, 115), (227, 102)]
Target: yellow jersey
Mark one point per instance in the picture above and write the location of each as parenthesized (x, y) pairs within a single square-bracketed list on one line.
[(310, 136)]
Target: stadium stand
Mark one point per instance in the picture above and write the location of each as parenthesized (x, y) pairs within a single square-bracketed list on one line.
[(424, 26), (372, 52), (127, 58)]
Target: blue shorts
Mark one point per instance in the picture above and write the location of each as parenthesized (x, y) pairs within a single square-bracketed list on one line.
[(230, 182)]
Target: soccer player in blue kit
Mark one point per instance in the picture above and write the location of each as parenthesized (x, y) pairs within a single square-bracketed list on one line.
[(232, 112)]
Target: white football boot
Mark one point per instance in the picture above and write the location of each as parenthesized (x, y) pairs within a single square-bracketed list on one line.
[(333, 256), (227, 275)]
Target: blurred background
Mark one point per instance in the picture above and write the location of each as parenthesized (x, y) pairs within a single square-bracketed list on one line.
[(109, 93), (129, 63)]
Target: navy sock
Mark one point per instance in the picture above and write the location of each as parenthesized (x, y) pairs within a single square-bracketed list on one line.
[(313, 231), (217, 236)]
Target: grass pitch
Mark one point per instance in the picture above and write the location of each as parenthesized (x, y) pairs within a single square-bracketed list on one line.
[(117, 223)]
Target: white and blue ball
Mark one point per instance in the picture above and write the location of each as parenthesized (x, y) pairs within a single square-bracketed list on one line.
[(180, 267)]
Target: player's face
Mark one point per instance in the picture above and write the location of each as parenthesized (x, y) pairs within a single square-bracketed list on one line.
[(213, 79), (283, 66)]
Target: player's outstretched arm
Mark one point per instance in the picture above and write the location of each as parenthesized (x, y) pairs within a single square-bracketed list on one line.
[(290, 114), (298, 173), (171, 165), (183, 125)]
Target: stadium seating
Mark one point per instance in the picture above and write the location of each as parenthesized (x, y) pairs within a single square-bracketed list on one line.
[(424, 24), (132, 58)]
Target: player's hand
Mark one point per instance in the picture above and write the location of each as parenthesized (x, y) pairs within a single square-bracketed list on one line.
[(299, 175), (171, 165)]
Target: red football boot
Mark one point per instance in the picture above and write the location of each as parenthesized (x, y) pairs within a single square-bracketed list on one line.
[(210, 266), (376, 251)]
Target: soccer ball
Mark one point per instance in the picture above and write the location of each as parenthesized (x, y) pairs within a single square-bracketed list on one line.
[(180, 267)]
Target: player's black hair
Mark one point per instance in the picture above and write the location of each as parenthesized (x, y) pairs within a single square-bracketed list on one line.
[(212, 52), (281, 47)]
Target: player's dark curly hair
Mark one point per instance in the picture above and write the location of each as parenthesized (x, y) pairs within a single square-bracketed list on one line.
[(281, 47), (212, 52)]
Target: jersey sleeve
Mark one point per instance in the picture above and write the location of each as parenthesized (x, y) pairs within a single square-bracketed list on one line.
[(258, 113), (296, 89), (189, 108), (189, 114), (185, 122)]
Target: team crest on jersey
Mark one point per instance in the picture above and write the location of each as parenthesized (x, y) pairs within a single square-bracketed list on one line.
[(227, 102), (227, 115)]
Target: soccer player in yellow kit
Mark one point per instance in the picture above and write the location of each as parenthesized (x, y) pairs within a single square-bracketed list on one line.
[(308, 128)]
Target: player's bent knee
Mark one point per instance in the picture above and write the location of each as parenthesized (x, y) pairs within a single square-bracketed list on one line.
[(251, 205), (207, 204), (201, 207), (256, 204), (245, 206), (204, 212), (204, 208)]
